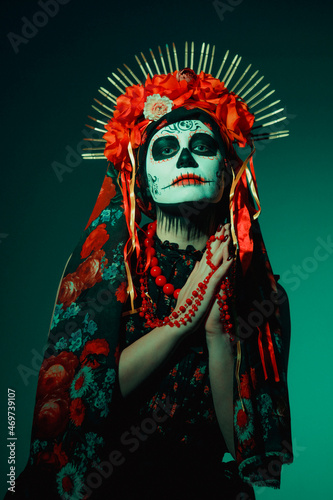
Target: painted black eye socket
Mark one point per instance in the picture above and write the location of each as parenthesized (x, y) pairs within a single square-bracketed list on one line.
[(168, 146), (203, 145), (165, 147)]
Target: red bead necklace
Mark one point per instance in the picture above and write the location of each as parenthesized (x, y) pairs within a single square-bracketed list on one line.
[(186, 311), (155, 270)]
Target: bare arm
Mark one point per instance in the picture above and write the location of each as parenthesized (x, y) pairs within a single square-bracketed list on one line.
[(221, 370), (221, 373), (143, 357)]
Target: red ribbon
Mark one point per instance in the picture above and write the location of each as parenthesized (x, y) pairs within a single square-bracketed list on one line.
[(271, 353), (242, 222)]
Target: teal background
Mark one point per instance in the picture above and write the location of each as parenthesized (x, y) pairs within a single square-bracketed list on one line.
[(47, 90)]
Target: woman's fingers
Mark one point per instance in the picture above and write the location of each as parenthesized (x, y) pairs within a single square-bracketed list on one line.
[(219, 246), (220, 258)]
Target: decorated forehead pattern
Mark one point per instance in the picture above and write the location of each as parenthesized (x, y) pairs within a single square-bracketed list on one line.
[(183, 126)]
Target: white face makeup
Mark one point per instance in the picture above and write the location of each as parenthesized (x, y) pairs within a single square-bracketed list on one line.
[(184, 164)]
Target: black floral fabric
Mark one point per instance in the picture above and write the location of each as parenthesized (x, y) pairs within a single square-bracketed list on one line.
[(187, 430), (183, 380), (86, 440)]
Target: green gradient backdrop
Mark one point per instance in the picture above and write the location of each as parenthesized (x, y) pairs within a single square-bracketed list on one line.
[(47, 89)]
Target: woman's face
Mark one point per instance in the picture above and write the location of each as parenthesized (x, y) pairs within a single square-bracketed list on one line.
[(184, 164)]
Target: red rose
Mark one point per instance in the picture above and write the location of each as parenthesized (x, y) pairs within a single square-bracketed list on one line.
[(130, 106), (95, 240), (91, 350), (51, 415), (121, 292), (56, 458), (169, 86), (117, 139), (77, 411), (236, 117), (56, 373), (107, 192), (70, 288), (90, 271), (208, 88), (186, 74)]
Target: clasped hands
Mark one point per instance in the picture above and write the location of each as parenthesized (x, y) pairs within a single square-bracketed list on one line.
[(218, 256)]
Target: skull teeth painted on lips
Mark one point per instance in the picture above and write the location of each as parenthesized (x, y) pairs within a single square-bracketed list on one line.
[(188, 179)]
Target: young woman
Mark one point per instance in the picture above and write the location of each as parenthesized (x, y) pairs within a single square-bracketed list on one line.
[(169, 343)]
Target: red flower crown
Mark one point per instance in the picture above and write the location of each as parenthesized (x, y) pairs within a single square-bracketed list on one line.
[(160, 94)]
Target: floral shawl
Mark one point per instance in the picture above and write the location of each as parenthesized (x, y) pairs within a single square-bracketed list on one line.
[(78, 402)]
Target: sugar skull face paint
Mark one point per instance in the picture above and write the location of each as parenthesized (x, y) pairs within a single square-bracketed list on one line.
[(184, 164)]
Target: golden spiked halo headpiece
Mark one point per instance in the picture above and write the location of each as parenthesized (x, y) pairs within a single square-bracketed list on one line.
[(247, 86), (238, 105)]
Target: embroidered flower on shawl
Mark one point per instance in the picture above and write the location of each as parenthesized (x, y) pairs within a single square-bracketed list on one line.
[(266, 410), (110, 377), (82, 382), (71, 311), (76, 340), (90, 326), (110, 272), (77, 411), (93, 441), (70, 482), (37, 446), (96, 239), (106, 215), (121, 292), (198, 374), (90, 271), (51, 415), (56, 373), (56, 458), (280, 414), (244, 386), (243, 420), (58, 310), (101, 403), (61, 345), (70, 288), (278, 340), (93, 352), (156, 106)]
